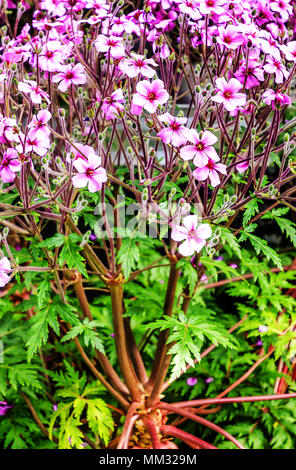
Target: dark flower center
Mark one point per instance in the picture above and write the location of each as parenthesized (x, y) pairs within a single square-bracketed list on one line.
[(89, 172), (151, 96), (49, 54), (69, 75), (227, 94), (175, 126), (200, 146)]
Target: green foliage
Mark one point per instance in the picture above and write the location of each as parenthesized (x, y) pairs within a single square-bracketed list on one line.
[(187, 335), (79, 400)]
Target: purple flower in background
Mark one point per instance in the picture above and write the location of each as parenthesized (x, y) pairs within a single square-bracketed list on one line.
[(208, 380), (259, 343), (4, 407), (263, 328), (92, 237), (54, 407), (191, 381)]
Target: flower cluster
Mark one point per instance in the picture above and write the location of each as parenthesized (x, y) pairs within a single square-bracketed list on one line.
[(91, 83)]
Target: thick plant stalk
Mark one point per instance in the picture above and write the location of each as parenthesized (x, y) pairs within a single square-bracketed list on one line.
[(203, 421), (135, 353), (130, 419), (218, 401), (125, 364), (161, 350), (186, 437), (100, 377), (153, 431), (104, 361)]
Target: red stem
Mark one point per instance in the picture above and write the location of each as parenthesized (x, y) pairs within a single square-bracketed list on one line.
[(203, 421), (186, 437), (217, 401)]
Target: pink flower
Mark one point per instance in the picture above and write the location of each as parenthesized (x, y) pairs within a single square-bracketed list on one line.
[(242, 167), (36, 94), (191, 381), (150, 95), (263, 328), (228, 94), (175, 133), (254, 74), (9, 165), (276, 99), (35, 143), (138, 65), (190, 7), (202, 148), (283, 7), (10, 130), (212, 6), (38, 124), (113, 104), (70, 75), (4, 269), (3, 404), (51, 57), (81, 151), (230, 37), (111, 44), (90, 173), (290, 51), (194, 236), (275, 65), (210, 170)]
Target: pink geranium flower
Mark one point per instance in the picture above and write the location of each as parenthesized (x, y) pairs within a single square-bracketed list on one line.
[(175, 133), (110, 44), (210, 170), (90, 173), (51, 57), (276, 98), (228, 93), (190, 7), (194, 236), (202, 148), (136, 65), (9, 130), (9, 165), (34, 143), (35, 92), (229, 37), (70, 75), (38, 124), (283, 7), (4, 278), (290, 50), (150, 95), (252, 77), (275, 65), (113, 104), (212, 6)]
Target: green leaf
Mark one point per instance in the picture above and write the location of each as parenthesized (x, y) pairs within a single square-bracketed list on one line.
[(89, 335), (38, 333), (260, 245), (70, 254), (228, 238), (250, 210), (128, 256)]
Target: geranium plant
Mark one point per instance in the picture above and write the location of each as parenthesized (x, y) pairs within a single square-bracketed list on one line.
[(147, 150)]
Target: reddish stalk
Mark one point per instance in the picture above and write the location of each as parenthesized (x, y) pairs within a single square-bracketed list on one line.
[(186, 437), (218, 401), (154, 433), (130, 419), (200, 420)]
